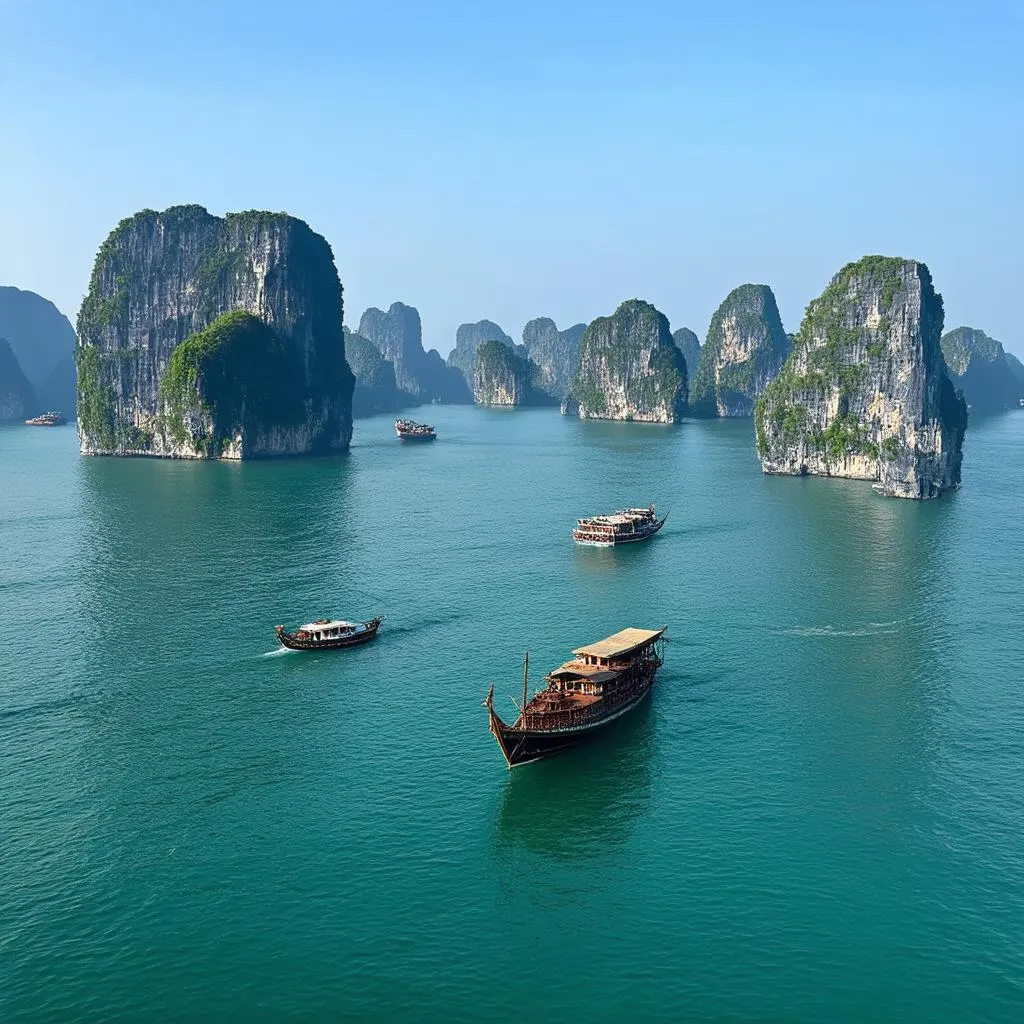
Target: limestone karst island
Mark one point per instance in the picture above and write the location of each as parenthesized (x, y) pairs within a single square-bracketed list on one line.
[(223, 337)]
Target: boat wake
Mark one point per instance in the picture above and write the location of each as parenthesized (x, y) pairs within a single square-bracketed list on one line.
[(869, 629), (275, 653)]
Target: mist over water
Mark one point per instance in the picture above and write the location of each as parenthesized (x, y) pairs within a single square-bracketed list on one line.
[(818, 815)]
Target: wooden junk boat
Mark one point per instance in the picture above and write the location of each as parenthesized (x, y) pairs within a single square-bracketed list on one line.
[(48, 419), (602, 682), (410, 430), (623, 527), (329, 634)]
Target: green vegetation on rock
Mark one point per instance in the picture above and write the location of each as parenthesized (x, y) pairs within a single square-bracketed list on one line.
[(236, 374), (633, 352), (745, 346)]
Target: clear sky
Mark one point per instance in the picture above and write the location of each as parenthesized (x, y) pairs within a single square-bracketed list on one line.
[(478, 159)]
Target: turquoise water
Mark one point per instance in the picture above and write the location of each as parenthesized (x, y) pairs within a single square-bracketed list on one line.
[(820, 814)]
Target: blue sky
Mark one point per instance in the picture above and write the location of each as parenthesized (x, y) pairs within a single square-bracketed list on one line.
[(518, 160)]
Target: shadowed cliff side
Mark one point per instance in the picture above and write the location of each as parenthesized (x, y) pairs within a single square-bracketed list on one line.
[(254, 295)]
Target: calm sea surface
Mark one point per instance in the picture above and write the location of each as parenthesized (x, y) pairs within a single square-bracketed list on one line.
[(819, 815)]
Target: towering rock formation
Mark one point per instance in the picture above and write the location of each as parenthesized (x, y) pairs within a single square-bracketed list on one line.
[(43, 341), (744, 348), (17, 399), (688, 343), (209, 337), (864, 392), (376, 390), (503, 376), (555, 353), (468, 338), (978, 366), (398, 334), (1017, 372), (630, 368)]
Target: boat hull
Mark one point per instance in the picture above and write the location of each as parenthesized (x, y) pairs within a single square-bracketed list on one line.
[(292, 642), (417, 437), (617, 542), (522, 746)]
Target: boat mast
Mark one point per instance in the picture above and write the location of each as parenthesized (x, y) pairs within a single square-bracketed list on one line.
[(526, 670)]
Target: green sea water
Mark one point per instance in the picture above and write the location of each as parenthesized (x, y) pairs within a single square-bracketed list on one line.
[(818, 816)]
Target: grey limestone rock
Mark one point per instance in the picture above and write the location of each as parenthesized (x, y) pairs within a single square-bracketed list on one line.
[(555, 353), (468, 338), (251, 293), (689, 344), (17, 399), (978, 366), (630, 369), (864, 393), (744, 348)]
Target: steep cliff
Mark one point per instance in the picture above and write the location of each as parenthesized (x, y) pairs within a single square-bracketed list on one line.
[(43, 341), (398, 335), (376, 390), (744, 348), (688, 343), (502, 376), (17, 399), (555, 353), (1017, 372), (978, 366), (629, 368), (468, 338), (162, 370), (864, 392)]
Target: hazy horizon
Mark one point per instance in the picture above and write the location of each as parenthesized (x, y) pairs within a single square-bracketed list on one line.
[(547, 160)]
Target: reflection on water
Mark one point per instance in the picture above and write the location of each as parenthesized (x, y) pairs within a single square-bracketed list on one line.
[(583, 802)]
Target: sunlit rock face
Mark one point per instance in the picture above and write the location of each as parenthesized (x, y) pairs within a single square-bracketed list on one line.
[(864, 392)]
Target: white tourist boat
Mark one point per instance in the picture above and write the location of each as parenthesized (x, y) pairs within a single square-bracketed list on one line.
[(626, 526)]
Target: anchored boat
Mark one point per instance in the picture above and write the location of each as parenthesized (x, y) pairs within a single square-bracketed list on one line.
[(329, 634), (623, 527), (602, 682), (410, 430), (48, 419)]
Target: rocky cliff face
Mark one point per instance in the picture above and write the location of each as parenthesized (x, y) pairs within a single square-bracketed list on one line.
[(253, 302), (978, 366), (468, 338), (503, 376), (629, 368), (17, 399), (1017, 372), (864, 392), (689, 344), (398, 335), (555, 353), (744, 348), (376, 390), (43, 341)]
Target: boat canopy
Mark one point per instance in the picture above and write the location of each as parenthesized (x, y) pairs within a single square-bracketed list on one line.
[(618, 644), (592, 673), (315, 627)]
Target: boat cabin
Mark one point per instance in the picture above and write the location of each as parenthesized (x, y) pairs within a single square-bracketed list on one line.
[(326, 629), (596, 666)]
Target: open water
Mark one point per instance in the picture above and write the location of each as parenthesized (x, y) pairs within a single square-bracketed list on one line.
[(818, 816)]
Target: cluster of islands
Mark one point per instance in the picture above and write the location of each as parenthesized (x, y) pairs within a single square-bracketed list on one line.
[(223, 337)]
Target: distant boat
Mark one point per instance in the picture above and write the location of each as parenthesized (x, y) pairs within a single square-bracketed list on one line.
[(329, 634), (626, 526), (48, 419), (602, 682), (409, 430)]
